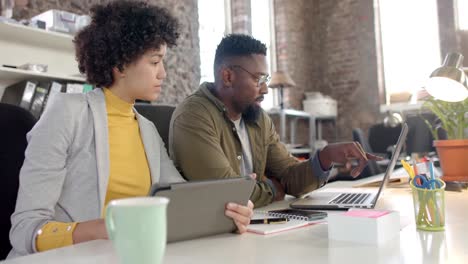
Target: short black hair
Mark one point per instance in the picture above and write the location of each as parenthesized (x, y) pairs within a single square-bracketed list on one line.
[(237, 45), (120, 32)]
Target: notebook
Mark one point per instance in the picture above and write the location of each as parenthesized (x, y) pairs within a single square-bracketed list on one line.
[(345, 198), (294, 221)]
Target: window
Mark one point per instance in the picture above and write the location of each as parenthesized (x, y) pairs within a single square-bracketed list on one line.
[(263, 30), (462, 8), (212, 16), (410, 44)]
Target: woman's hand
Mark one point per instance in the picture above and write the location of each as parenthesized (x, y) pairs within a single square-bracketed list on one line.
[(90, 230), (240, 215)]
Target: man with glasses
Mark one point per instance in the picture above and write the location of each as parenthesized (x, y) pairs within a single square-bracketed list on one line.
[(221, 131)]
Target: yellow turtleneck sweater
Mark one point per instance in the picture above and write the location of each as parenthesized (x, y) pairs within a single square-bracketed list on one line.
[(129, 172)]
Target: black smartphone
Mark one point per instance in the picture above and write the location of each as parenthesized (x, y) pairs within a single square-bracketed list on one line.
[(310, 214)]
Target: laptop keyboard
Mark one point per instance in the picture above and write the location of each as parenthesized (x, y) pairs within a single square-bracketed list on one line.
[(350, 198)]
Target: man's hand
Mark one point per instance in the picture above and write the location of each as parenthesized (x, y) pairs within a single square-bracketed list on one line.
[(279, 190), (345, 153), (240, 215)]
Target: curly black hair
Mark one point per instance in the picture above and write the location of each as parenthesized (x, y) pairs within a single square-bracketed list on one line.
[(119, 33), (235, 45)]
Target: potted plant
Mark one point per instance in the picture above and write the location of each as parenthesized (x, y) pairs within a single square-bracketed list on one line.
[(450, 137)]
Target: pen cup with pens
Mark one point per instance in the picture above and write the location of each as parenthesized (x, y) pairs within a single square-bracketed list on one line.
[(428, 199), (429, 206)]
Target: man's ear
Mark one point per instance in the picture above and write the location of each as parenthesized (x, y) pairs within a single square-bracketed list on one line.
[(227, 76)]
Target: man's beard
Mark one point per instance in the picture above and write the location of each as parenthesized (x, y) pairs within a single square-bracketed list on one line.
[(252, 113)]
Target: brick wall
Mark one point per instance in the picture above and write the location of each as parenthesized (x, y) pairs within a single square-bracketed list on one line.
[(241, 16), (330, 46), (182, 62), (295, 46), (463, 35), (451, 38)]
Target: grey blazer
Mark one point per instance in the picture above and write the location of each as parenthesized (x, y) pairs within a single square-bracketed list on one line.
[(65, 173)]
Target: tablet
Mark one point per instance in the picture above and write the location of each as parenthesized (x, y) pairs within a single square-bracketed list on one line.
[(196, 209)]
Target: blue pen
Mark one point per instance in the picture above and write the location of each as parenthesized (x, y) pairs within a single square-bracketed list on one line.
[(431, 170)]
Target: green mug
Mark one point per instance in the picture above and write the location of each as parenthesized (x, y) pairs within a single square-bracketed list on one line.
[(138, 228)]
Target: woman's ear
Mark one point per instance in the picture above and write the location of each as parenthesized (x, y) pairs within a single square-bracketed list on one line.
[(118, 74)]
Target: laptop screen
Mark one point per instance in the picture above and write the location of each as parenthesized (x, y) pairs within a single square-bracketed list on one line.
[(393, 160)]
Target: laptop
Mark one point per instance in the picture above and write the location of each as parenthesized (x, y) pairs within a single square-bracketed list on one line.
[(345, 198)]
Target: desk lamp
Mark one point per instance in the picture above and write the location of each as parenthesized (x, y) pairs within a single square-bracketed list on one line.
[(448, 83), (281, 80)]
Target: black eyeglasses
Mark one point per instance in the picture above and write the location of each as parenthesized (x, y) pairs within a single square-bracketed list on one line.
[(261, 79)]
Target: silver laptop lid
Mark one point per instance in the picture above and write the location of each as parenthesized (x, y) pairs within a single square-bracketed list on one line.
[(321, 200), (391, 165)]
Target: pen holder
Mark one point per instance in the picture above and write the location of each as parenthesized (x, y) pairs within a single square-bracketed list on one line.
[(429, 207)]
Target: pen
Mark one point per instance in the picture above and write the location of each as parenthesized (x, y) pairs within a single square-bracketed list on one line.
[(431, 170), (437, 212), (408, 169), (279, 220), (415, 165)]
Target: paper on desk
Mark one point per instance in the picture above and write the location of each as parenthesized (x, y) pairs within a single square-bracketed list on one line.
[(399, 178)]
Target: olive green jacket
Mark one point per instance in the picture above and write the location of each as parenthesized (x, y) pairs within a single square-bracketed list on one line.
[(204, 145)]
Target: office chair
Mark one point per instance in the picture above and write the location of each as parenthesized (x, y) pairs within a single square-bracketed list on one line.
[(15, 123), (160, 115), (419, 136), (382, 137)]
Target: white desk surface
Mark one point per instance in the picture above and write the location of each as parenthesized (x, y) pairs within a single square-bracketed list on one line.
[(308, 244)]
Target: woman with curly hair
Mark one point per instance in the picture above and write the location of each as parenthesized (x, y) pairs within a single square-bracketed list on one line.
[(88, 149)]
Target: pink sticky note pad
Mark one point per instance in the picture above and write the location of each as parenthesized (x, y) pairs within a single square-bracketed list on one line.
[(366, 213)]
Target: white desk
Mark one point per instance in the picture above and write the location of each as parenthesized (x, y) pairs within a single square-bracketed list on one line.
[(308, 244)]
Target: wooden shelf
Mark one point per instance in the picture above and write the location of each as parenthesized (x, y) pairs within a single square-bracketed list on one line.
[(289, 112), (296, 151), (20, 44), (324, 118), (38, 37), (12, 75), (401, 107)]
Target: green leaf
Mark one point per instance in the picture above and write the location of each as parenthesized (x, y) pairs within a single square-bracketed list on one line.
[(451, 116)]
